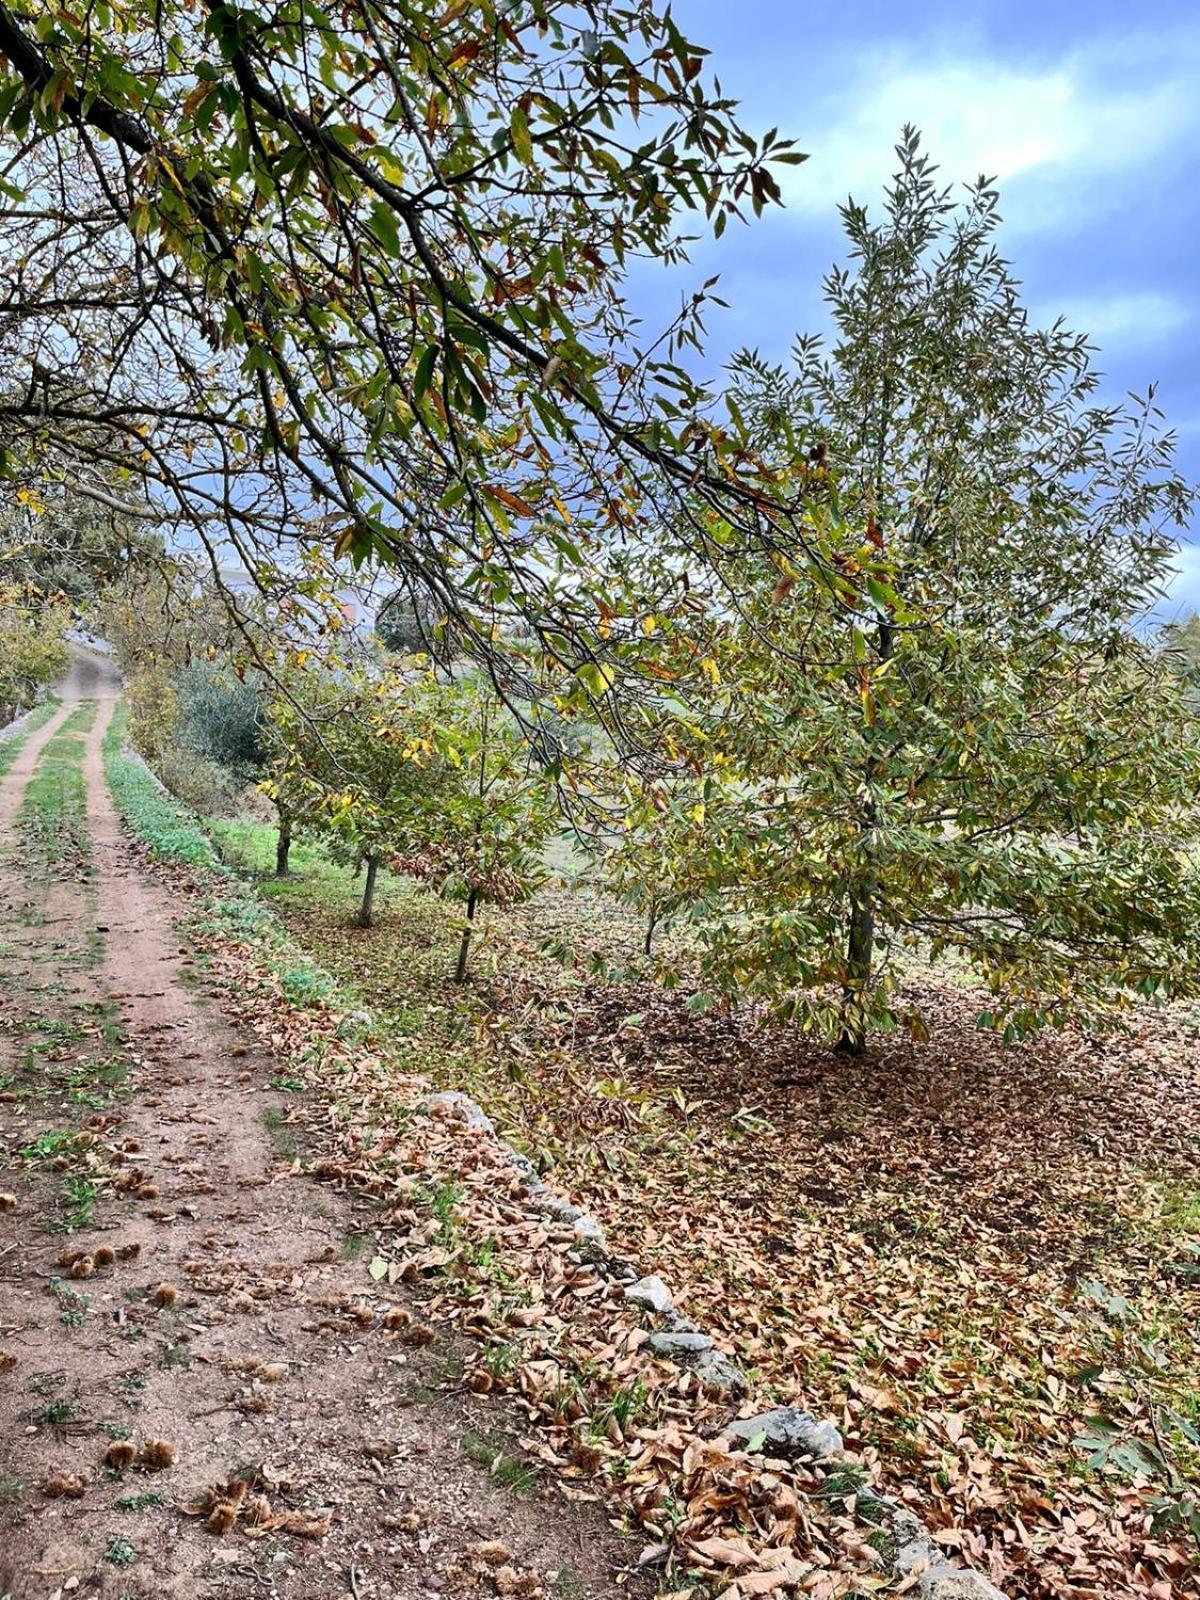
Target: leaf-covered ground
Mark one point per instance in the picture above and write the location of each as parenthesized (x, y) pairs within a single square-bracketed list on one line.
[(984, 1262)]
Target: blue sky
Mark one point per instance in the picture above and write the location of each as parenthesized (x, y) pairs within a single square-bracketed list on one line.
[(1088, 112)]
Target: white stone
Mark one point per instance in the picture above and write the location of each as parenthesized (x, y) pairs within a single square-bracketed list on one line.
[(652, 1294), (787, 1431)]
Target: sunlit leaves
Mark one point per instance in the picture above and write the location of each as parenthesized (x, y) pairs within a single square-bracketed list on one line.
[(397, 764), (33, 650)]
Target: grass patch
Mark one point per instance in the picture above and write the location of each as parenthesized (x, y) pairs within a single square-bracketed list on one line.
[(56, 1413), (489, 1451), (170, 831), (131, 1385), (176, 1355), (249, 847), (139, 1502), (35, 719), (79, 1190), (52, 1145), (275, 1122), (53, 814), (1181, 1210)]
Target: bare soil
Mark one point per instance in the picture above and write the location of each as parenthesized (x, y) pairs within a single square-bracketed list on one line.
[(228, 1326)]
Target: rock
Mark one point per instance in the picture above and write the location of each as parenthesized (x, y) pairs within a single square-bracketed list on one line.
[(590, 1231), (652, 1294), (529, 1173), (684, 1343), (355, 1024), (917, 1554), (945, 1582), (719, 1372), (787, 1431), (621, 1271), (915, 1550), (474, 1116), (901, 1524), (585, 1228), (678, 1346)]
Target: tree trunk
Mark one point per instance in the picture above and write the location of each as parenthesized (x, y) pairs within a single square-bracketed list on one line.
[(283, 846), (860, 950), (464, 949), (651, 924), (368, 899), (860, 935)]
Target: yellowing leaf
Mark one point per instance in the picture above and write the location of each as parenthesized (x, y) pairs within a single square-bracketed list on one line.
[(463, 52), (507, 498)]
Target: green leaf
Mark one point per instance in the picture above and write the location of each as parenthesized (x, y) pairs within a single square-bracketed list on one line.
[(383, 225), (424, 373)]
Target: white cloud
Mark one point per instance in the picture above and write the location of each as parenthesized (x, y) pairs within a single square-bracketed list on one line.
[(1116, 319), (1047, 133), (1183, 592)]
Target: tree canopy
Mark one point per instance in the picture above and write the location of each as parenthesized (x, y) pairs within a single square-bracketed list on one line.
[(356, 277), (353, 761), (33, 650), (73, 544)]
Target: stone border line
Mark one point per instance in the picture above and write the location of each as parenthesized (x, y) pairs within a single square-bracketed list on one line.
[(916, 1560)]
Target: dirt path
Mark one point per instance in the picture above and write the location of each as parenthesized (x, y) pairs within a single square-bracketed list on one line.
[(219, 1326)]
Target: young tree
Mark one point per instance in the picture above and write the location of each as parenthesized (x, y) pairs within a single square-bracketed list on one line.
[(983, 756), (406, 624), (33, 650), (657, 861), (355, 762), (223, 718), (481, 826)]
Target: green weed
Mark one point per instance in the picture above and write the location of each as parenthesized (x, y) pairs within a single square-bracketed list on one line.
[(56, 1413), (77, 1206), (119, 1551), (139, 1502), (510, 1471), (73, 1306)]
